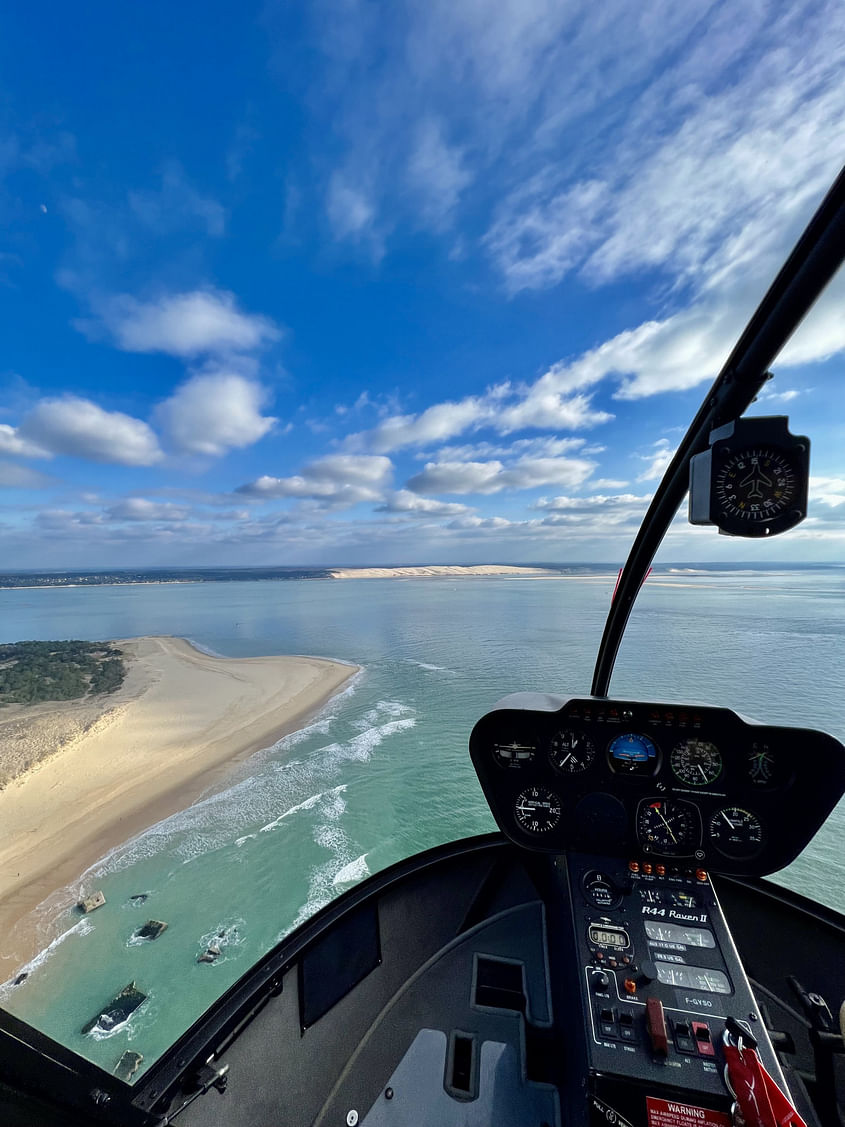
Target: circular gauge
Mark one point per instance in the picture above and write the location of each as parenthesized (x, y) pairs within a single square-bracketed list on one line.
[(632, 754), (736, 832), (571, 752), (537, 810), (761, 765), (696, 762), (668, 827), (600, 889), (756, 484), (515, 752)]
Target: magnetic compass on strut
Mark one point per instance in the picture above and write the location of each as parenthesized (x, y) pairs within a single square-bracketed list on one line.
[(753, 479)]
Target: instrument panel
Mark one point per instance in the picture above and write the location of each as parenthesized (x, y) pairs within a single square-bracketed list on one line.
[(696, 784)]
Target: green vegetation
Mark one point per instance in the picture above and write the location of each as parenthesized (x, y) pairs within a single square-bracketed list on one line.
[(39, 671)]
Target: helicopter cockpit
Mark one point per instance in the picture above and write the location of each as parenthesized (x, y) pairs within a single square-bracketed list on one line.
[(611, 958)]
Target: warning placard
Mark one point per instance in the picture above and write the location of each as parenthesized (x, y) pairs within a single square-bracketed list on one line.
[(667, 1113)]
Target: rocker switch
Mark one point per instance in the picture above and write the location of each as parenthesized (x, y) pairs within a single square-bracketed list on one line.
[(655, 1021)]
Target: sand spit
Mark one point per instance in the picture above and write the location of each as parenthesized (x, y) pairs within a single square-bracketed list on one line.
[(173, 730)]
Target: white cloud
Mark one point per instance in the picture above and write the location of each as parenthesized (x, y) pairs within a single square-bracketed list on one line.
[(336, 481), (13, 476), (512, 79), (350, 209), (827, 491), (183, 324), (786, 396), (176, 205), (403, 501), (548, 410), (732, 161), (139, 508), (658, 459), (494, 476), (215, 411), (536, 243), (597, 511), (79, 428), (504, 408), (713, 200), (436, 424), (543, 446), (474, 523), (436, 173), (11, 442)]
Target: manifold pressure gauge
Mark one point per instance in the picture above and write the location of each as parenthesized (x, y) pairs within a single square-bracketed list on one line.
[(753, 479)]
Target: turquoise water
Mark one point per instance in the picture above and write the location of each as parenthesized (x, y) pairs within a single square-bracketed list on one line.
[(383, 771)]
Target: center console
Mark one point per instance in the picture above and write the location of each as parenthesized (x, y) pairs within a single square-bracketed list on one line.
[(658, 977)]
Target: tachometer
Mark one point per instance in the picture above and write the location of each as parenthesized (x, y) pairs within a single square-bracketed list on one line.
[(696, 762), (668, 827), (571, 752), (633, 754), (537, 809), (736, 832)]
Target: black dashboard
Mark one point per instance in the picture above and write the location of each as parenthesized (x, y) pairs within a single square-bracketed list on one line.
[(669, 784)]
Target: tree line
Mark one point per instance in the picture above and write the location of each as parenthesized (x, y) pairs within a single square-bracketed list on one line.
[(44, 671)]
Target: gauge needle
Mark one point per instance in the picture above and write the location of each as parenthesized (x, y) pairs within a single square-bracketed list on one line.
[(727, 819), (703, 772), (668, 827), (564, 761)]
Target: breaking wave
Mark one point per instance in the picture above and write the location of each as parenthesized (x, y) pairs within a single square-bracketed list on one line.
[(82, 928), (353, 872)]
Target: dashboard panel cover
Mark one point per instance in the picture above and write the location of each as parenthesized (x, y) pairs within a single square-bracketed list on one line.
[(693, 784)]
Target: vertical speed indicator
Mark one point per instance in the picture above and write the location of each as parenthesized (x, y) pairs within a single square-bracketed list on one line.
[(537, 810)]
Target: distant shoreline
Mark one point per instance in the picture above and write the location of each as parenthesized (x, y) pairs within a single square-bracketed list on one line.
[(34, 581), (173, 731)]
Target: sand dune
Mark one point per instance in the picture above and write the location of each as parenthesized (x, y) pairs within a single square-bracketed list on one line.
[(170, 733), (439, 571)]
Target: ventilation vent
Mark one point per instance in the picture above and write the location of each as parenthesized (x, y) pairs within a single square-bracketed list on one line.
[(499, 984), (461, 1066)]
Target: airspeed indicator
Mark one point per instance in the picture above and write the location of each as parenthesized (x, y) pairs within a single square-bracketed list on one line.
[(696, 762)]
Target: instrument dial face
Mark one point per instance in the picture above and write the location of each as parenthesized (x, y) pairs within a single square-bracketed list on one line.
[(761, 765), (537, 810), (756, 484), (633, 754), (695, 762), (669, 827), (571, 752), (736, 832), (514, 752)]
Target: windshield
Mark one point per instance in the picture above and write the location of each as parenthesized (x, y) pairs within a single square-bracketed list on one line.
[(322, 429)]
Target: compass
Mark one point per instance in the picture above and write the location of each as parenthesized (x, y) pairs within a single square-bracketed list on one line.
[(753, 479)]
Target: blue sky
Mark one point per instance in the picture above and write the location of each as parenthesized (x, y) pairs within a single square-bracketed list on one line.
[(344, 282)]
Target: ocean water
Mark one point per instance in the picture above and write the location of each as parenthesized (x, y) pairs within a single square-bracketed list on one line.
[(383, 771)]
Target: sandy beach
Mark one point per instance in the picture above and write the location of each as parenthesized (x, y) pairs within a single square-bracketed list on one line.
[(171, 733)]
